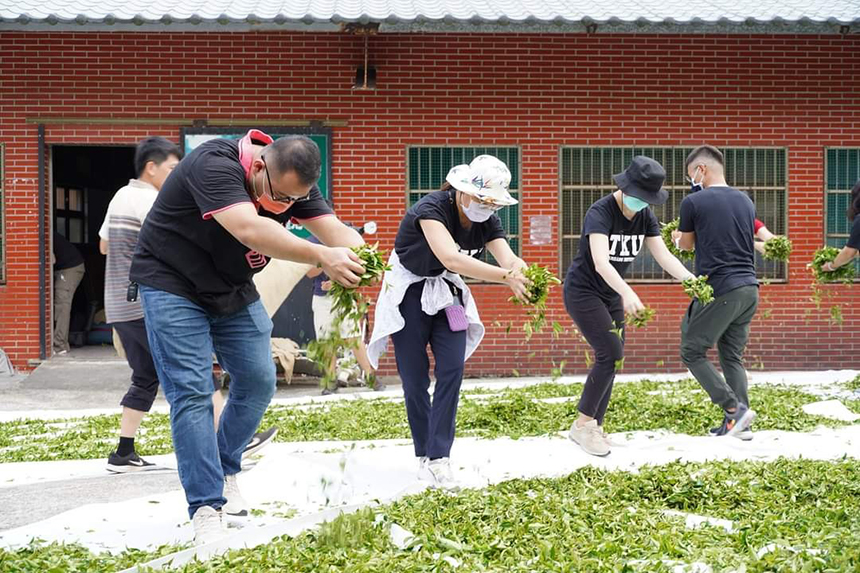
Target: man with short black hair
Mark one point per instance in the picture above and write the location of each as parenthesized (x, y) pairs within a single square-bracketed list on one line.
[(719, 222), (154, 159), (218, 220)]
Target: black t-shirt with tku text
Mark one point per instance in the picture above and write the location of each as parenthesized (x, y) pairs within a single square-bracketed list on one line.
[(626, 239)]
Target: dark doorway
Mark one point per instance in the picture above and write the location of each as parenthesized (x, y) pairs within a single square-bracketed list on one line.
[(84, 179)]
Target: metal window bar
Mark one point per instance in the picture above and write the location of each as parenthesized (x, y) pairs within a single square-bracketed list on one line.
[(426, 168), (586, 176), (841, 172)]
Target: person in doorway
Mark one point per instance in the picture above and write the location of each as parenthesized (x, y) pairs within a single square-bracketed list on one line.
[(216, 222), (852, 246), (719, 222), (596, 295), (425, 300), (351, 332), (68, 273), (154, 159)]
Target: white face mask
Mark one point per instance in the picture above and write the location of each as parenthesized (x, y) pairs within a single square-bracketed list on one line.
[(476, 212)]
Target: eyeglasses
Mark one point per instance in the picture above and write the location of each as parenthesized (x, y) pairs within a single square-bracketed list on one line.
[(288, 200)]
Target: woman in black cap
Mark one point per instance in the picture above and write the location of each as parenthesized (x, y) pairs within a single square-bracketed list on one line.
[(595, 293)]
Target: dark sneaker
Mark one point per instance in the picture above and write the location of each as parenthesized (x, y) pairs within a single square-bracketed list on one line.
[(328, 391), (744, 435), (739, 420), (127, 464), (259, 441)]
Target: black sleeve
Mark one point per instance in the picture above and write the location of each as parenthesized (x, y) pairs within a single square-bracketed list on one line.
[(493, 229), (652, 226), (432, 208), (315, 206), (854, 238), (688, 212), (216, 182), (597, 221)]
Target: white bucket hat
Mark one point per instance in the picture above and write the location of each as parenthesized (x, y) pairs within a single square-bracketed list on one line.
[(486, 177)]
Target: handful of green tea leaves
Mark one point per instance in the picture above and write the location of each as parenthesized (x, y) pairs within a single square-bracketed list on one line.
[(699, 289), (666, 233), (348, 305), (541, 281), (777, 249), (642, 318), (844, 274)]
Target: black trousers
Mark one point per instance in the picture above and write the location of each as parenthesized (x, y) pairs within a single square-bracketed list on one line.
[(144, 379), (432, 425), (598, 322)]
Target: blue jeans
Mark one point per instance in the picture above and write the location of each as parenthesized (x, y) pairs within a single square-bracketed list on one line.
[(181, 336)]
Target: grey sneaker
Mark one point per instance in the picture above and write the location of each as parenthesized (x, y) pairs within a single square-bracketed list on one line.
[(236, 504), (739, 420), (207, 525), (722, 430), (590, 438)]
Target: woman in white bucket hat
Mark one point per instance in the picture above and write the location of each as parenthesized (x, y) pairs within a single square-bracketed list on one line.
[(424, 299)]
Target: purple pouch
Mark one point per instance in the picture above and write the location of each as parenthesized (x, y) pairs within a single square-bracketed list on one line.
[(457, 320)]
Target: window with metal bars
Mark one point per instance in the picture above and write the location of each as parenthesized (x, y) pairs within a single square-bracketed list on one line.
[(426, 168), (586, 176), (2, 215), (842, 171)]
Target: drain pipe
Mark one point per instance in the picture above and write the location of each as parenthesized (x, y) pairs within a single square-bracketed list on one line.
[(42, 257)]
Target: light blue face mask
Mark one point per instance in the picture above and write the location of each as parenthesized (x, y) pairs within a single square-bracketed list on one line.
[(634, 203)]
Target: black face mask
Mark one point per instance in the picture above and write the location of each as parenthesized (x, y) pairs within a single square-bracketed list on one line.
[(695, 187)]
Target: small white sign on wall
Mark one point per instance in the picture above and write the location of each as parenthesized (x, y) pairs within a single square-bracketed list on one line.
[(540, 229)]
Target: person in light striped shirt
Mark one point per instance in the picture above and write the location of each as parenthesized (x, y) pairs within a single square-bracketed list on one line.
[(154, 159)]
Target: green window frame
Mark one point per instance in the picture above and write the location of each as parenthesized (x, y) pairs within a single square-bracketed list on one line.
[(427, 166), (841, 172), (585, 175)]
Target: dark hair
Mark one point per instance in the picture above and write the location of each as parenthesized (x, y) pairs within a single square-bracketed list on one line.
[(295, 153), (155, 149), (854, 206), (707, 151)]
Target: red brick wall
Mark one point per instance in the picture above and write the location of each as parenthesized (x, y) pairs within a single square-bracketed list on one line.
[(538, 92)]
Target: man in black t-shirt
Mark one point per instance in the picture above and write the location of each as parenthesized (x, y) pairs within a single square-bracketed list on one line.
[(68, 273), (217, 221), (719, 221)]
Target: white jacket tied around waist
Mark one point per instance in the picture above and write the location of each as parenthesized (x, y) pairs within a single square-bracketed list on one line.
[(435, 297)]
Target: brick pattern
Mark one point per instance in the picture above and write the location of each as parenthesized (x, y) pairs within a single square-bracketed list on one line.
[(536, 92)]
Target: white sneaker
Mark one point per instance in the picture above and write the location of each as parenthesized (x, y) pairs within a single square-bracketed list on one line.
[(236, 504), (590, 438), (438, 473), (606, 437), (207, 525), (422, 467)]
